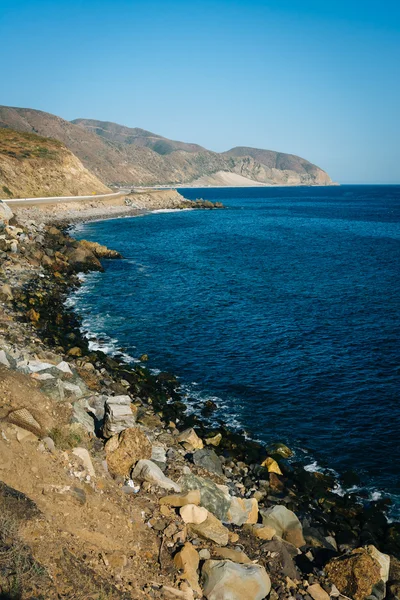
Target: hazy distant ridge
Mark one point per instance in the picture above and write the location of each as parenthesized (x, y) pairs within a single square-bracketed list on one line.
[(132, 156)]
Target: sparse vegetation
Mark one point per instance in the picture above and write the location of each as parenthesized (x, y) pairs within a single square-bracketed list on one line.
[(65, 438), (32, 165), (7, 191)]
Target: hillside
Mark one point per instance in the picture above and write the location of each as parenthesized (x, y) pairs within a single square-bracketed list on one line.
[(131, 156), (32, 166)]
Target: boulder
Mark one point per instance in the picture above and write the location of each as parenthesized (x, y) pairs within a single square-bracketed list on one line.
[(82, 259), (64, 367), (282, 558), (211, 529), (207, 459), (6, 213), (177, 500), (280, 450), (191, 513), (6, 294), (158, 454), (190, 440), (272, 466), (214, 441), (361, 574), (118, 415), (71, 390), (285, 523), (187, 560), (211, 497), (84, 457), (234, 555), (81, 415), (226, 580), (242, 510), (317, 592), (4, 359), (146, 470), (170, 593), (263, 532), (100, 251), (125, 449)]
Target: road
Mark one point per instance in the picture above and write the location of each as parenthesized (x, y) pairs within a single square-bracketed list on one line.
[(61, 199)]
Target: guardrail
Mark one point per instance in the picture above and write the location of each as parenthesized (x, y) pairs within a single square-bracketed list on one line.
[(56, 199)]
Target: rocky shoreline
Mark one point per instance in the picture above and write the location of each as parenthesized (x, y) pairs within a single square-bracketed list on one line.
[(212, 515)]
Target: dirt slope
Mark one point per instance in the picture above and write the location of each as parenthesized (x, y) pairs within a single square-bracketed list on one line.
[(34, 166)]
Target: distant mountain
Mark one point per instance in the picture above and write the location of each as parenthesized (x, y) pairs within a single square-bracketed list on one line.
[(35, 166), (138, 137), (131, 156)]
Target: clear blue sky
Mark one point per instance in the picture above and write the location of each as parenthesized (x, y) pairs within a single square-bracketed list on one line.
[(318, 78)]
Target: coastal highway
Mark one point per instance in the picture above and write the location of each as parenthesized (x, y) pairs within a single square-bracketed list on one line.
[(61, 199)]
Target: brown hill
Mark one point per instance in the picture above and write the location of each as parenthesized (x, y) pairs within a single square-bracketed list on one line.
[(131, 156), (35, 166)]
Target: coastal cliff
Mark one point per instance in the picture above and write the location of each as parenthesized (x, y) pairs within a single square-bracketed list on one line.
[(120, 155), (34, 166)]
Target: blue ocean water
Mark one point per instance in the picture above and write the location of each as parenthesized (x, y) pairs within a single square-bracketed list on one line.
[(284, 308)]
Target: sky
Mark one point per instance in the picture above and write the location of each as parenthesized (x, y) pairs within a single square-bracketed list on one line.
[(317, 78)]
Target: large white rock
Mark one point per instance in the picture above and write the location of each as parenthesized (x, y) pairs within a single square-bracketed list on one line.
[(383, 560), (64, 367), (118, 415), (4, 359), (5, 212), (191, 513), (226, 580), (145, 470), (84, 456)]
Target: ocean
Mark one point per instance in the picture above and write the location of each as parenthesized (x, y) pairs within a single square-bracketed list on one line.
[(284, 309)]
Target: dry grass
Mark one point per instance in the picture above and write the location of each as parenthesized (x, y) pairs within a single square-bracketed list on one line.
[(27, 145), (18, 569)]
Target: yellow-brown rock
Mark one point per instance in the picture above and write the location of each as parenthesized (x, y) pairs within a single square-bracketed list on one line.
[(126, 449), (272, 466), (211, 529), (234, 555), (190, 440), (178, 500), (187, 560), (356, 574), (264, 533), (33, 315), (214, 441)]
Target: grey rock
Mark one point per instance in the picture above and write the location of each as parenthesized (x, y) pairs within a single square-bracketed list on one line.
[(54, 389), (207, 459), (286, 524), (211, 497), (80, 414), (226, 580), (283, 554), (146, 470), (49, 444), (118, 415), (158, 454)]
